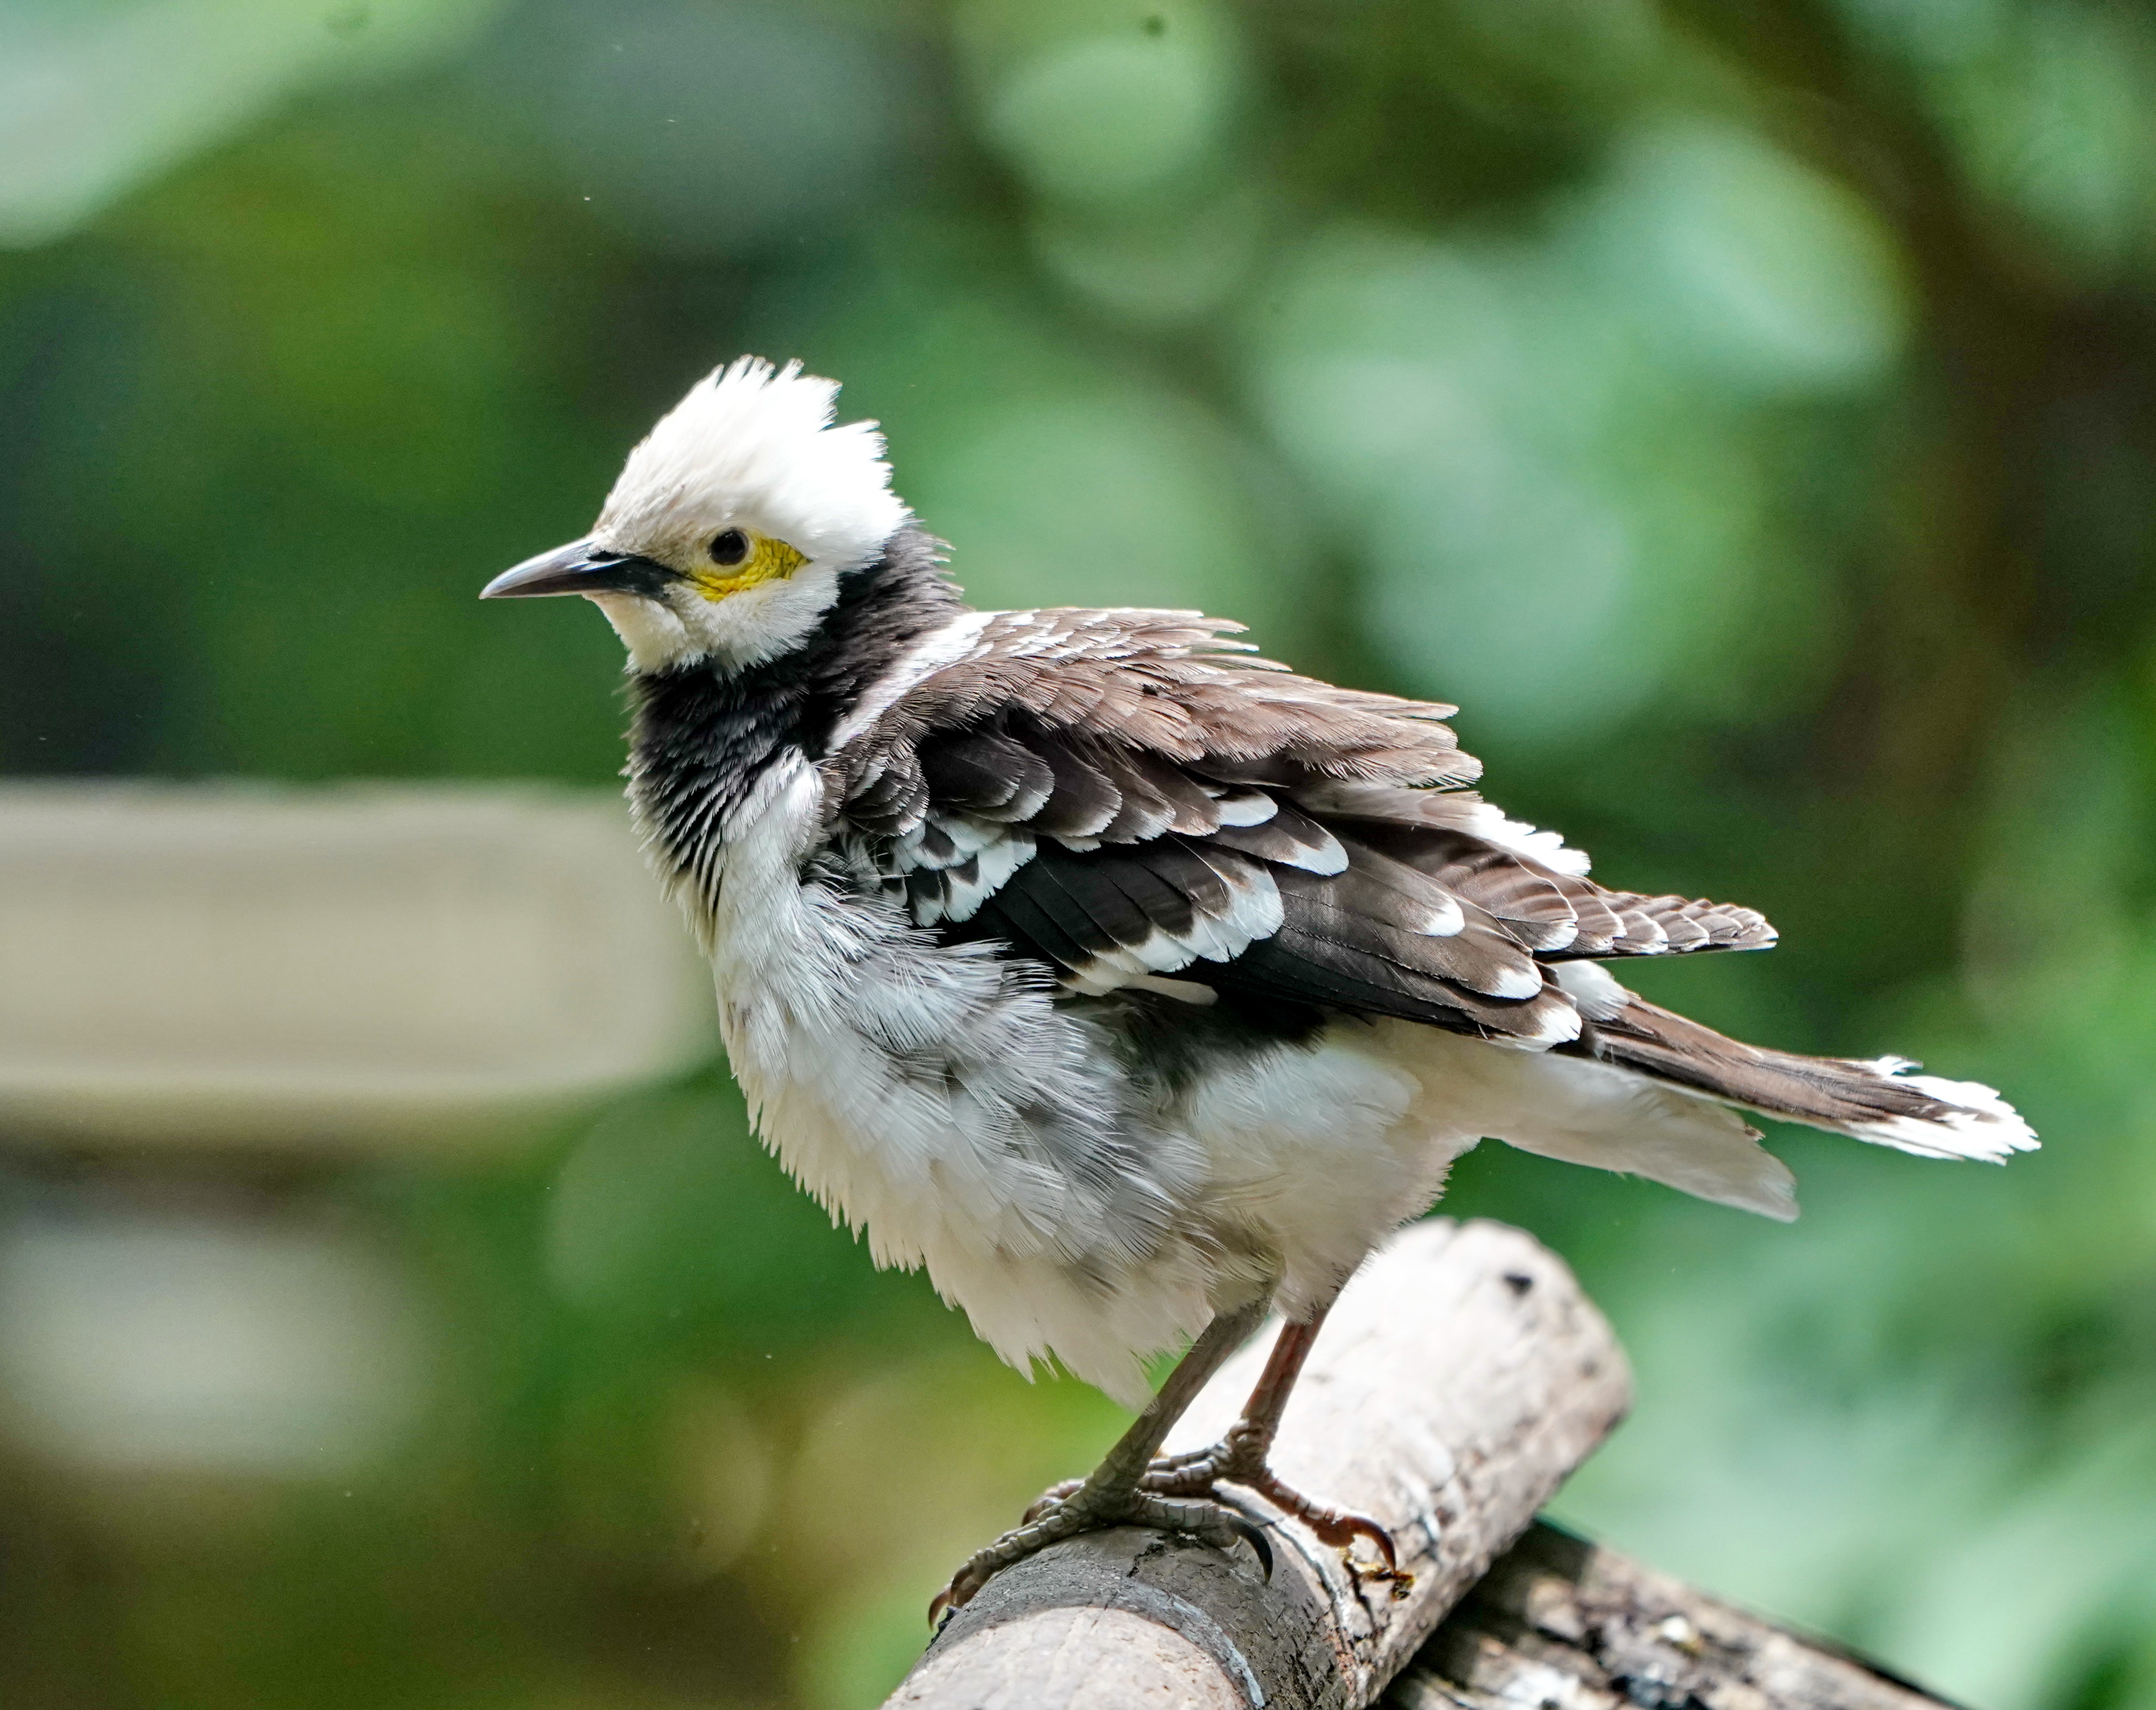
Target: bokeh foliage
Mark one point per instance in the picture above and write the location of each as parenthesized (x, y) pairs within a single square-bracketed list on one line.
[(1744, 411)]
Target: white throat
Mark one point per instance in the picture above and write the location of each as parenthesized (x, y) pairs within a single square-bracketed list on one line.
[(653, 635)]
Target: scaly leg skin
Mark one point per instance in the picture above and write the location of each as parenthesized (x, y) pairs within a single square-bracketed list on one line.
[(1239, 1458), (1113, 1495)]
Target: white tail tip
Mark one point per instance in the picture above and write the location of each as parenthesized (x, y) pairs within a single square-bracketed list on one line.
[(1979, 1123)]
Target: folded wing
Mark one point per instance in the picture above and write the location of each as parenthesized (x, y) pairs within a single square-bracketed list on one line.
[(1137, 803)]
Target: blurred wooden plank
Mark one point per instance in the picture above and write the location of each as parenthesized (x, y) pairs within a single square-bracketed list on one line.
[(355, 965), (1462, 1376), (1560, 1621)]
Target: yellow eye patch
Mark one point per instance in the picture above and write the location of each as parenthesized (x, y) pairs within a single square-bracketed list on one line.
[(765, 560)]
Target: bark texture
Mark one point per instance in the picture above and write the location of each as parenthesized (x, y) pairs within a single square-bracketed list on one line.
[(1562, 1622), (1461, 1377)]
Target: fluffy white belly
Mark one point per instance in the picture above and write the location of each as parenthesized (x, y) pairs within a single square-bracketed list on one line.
[(946, 1103)]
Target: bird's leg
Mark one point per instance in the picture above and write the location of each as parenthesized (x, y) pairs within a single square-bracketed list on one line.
[(1240, 1456), (1112, 1494)]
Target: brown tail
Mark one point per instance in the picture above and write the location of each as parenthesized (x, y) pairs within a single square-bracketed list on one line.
[(1876, 1101)]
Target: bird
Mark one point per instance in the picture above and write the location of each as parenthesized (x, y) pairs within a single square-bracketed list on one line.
[(1130, 983)]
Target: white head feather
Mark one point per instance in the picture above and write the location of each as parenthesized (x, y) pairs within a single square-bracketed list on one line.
[(755, 448)]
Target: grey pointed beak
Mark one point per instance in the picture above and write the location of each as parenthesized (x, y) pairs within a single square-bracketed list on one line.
[(581, 567)]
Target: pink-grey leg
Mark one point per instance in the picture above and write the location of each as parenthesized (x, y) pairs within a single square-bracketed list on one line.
[(1114, 1493)]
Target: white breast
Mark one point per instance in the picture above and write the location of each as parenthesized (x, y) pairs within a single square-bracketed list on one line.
[(938, 1099)]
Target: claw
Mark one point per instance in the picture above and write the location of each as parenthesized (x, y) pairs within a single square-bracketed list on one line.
[(1261, 1545), (1340, 1529)]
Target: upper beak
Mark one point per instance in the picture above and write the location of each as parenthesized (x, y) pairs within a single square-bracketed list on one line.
[(581, 567)]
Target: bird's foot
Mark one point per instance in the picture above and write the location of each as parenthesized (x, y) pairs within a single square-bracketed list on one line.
[(1239, 1459), (1076, 1505)]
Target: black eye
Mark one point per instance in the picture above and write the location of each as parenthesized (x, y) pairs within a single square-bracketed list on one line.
[(730, 548)]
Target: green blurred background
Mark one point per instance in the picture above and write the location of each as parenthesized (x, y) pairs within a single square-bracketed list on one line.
[(1748, 413)]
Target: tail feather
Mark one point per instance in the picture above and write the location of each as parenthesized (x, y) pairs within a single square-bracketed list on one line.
[(1876, 1100)]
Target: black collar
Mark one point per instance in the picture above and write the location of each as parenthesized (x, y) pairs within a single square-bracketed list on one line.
[(704, 733)]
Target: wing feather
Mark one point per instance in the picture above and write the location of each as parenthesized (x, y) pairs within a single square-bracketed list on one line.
[(1125, 795)]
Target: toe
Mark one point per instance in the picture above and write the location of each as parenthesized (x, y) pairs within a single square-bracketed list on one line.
[(1208, 1522), (1054, 1497), (1337, 1526)]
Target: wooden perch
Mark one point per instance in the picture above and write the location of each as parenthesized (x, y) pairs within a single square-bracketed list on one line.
[(1461, 1377), (1561, 1621)]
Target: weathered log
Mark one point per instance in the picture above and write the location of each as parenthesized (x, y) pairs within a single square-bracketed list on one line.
[(1461, 1377), (1561, 1621)]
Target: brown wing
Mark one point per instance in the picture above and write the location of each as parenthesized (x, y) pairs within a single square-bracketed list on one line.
[(1128, 798)]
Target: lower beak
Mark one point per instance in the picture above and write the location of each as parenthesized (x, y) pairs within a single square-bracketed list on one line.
[(581, 567)]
